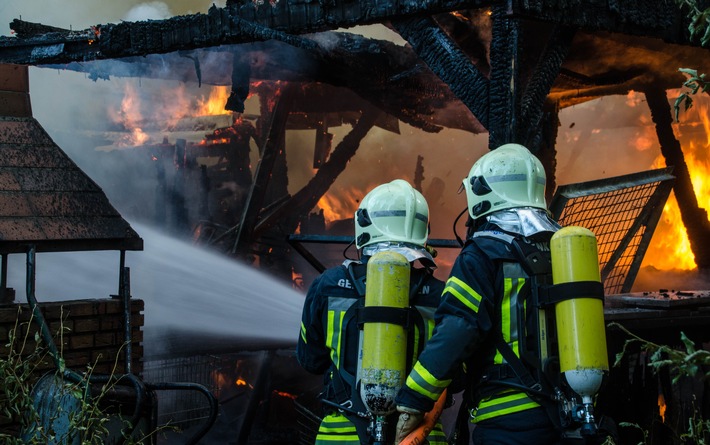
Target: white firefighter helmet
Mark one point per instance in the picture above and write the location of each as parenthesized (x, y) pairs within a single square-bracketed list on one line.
[(394, 212), (507, 177)]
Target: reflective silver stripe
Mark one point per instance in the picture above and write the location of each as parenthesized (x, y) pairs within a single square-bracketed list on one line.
[(389, 213), (428, 317), (507, 178), (494, 234), (513, 177)]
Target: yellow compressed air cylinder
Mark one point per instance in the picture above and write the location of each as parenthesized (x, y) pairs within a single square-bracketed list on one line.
[(383, 357), (581, 333)]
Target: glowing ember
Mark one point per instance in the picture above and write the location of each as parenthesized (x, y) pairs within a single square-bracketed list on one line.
[(662, 407), (285, 394), (241, 382)]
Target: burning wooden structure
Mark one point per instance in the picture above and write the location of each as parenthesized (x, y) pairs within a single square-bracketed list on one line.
[(502, 67)]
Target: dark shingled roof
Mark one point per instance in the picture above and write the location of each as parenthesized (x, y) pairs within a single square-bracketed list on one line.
[(45, 199)]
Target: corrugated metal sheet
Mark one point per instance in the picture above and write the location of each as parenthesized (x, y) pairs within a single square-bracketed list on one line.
[(46, 200)]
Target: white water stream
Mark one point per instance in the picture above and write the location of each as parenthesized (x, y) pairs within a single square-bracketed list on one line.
[(195, 300)]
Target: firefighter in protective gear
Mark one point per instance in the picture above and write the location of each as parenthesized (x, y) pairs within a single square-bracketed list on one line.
[(392, 217), (483, 315)]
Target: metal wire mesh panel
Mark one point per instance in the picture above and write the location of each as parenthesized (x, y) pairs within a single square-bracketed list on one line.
[(184, 408), (622, 212)]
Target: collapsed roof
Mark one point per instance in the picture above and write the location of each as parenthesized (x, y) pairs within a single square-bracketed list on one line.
[(505, 67), (568, 52)]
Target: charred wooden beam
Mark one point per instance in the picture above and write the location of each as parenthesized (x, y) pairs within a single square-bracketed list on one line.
[(235, 24), (694, 217), (246, 21), (305, 199), (24, 30), (505, 89), (540, 83), (546, 146), (274, 142), (446, 60), (662, 19), (389, 76)]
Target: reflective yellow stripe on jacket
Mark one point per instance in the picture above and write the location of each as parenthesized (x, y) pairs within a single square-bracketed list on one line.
[(507, 404), (437, 435), (508, 310), (337, 429), (511, 327), (463, 292), (423, 382), (337, 307)]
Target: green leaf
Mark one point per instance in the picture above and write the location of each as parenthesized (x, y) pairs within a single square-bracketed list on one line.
[(691, 72), (689, 344)]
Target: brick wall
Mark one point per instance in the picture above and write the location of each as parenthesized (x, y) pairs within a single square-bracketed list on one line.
[(93, 334)]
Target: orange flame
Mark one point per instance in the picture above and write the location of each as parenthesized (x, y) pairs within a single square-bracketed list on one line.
[(241, 382), (286, 394), (175, 103), (215, 103), (662, 407), (340, 207), (670, 247), (129, 115)]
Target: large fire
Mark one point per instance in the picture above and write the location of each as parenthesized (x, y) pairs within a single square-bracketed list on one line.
[(214, 103), (129, 116), (670, 247), (337, 206), (139, 115)]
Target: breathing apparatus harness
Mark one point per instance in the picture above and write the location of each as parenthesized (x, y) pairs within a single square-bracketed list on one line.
[(343, 392), (536, 372)]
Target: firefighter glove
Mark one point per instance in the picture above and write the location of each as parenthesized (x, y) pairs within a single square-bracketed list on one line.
[(409, 419)]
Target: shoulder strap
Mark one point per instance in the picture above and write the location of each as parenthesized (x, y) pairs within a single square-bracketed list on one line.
[(535, 261), (357, 273)]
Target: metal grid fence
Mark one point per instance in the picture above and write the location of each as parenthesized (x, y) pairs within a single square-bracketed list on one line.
[(183, 408), (622, 212)]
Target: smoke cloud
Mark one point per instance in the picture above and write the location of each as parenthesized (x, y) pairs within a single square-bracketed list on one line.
[(81, 14), (148, 11)]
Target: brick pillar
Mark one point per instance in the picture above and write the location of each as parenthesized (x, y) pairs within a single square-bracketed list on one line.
[(14, 91)]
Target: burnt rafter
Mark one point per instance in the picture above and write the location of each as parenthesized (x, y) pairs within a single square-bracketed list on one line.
[(448, 62), (39, 44), (231, 25), (541, 81), (307, 198), (387, 75), (658, 18), (275, 136), (505, 89)]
